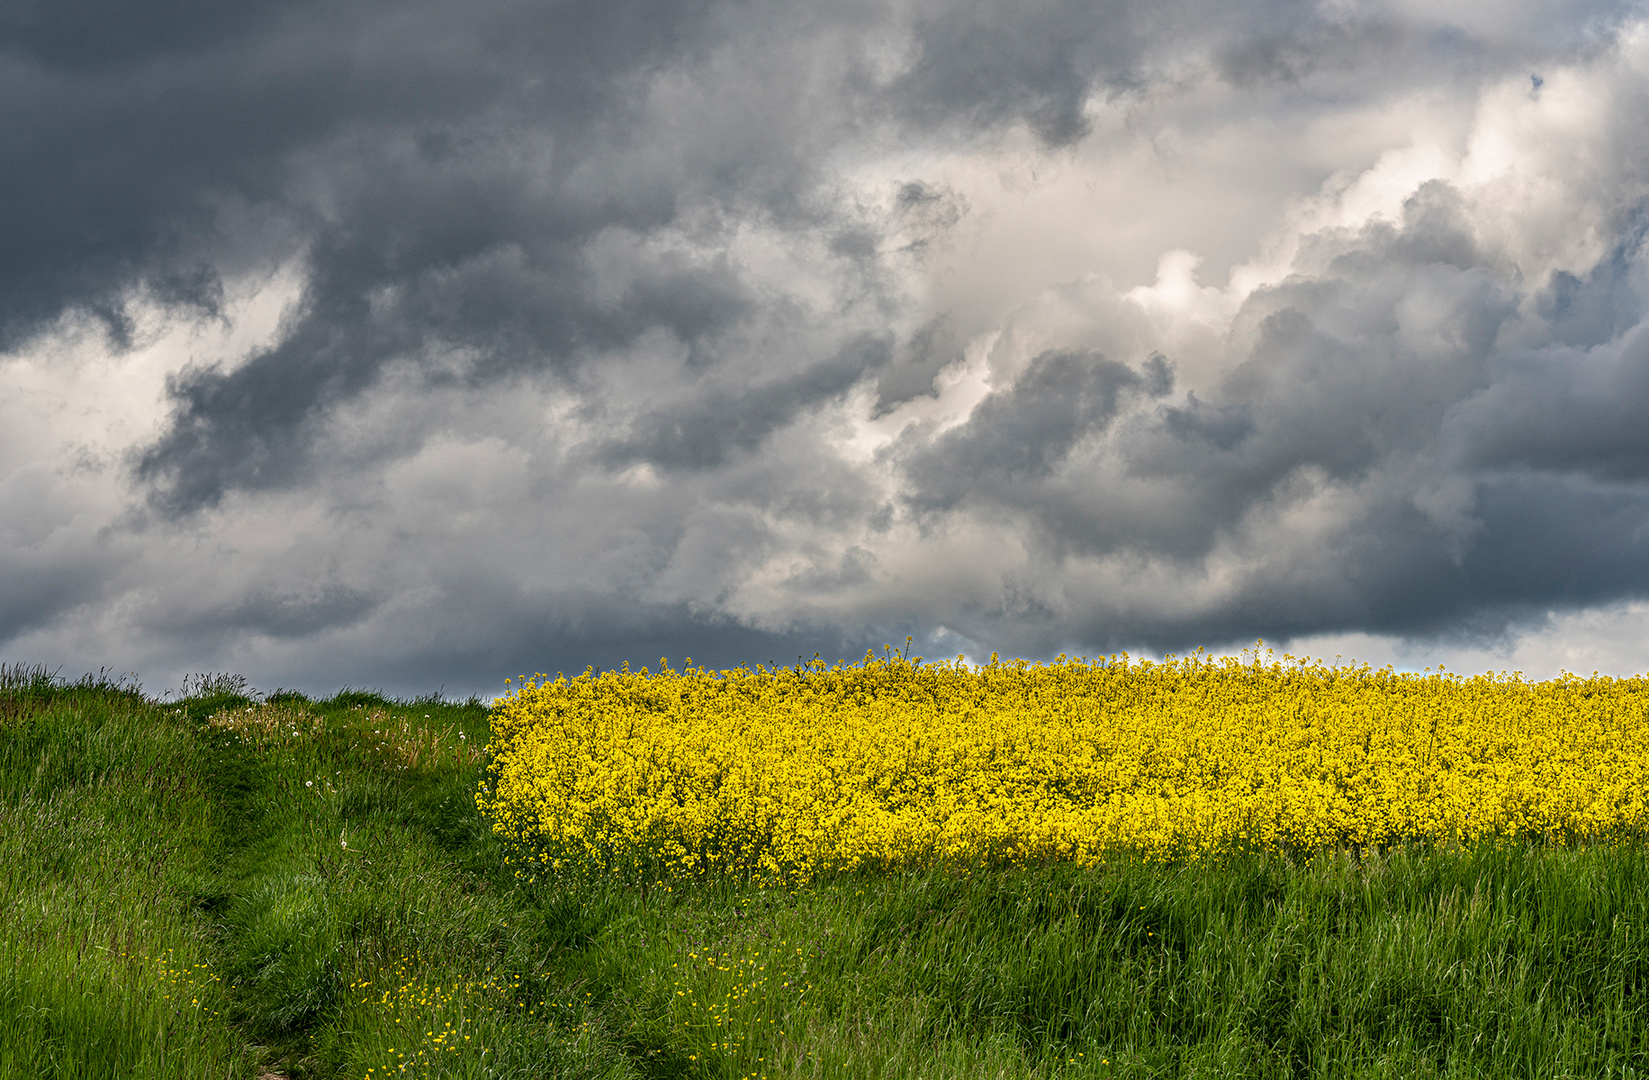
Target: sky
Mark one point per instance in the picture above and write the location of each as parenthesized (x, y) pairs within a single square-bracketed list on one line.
[(420, 344)]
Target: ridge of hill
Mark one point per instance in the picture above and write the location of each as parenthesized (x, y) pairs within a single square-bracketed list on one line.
[(235, 885)]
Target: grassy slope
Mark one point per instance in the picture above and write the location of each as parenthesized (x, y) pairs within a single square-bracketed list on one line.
[(319, 897)]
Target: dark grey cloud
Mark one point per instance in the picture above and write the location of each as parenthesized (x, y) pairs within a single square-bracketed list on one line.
[(1222, 427), (613, 328), (701, 432), (592, 631), (384, 135), (286, 613), (1563, 411), (36, 588), (1018, 436), (988, 64), (1572, 402)]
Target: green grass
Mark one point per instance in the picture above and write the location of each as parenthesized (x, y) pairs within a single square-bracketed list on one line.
[(319, 898)]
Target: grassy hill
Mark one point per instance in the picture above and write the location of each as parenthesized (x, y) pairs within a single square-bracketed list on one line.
[(234, 886)]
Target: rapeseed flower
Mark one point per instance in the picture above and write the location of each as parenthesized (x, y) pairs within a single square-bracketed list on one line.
[(889, 763)]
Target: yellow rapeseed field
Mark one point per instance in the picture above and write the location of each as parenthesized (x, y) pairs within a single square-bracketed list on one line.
[(889, 763)]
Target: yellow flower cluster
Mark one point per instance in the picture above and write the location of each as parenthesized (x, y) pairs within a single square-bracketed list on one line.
[(431, 1021), (738, 1000), (891, 762), (197, 984)]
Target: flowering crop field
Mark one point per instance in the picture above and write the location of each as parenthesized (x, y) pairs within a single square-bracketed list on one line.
[(894, 763)]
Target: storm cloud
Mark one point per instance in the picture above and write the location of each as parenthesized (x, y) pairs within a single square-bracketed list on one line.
[(432, 343)]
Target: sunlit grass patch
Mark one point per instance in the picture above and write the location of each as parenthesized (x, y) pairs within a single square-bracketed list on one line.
[(263, 725), (406, 740)]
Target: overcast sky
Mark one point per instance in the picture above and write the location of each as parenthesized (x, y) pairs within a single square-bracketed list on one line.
[(421, 343)]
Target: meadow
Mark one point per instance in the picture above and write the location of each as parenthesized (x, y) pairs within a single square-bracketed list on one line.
[(230, 884)]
